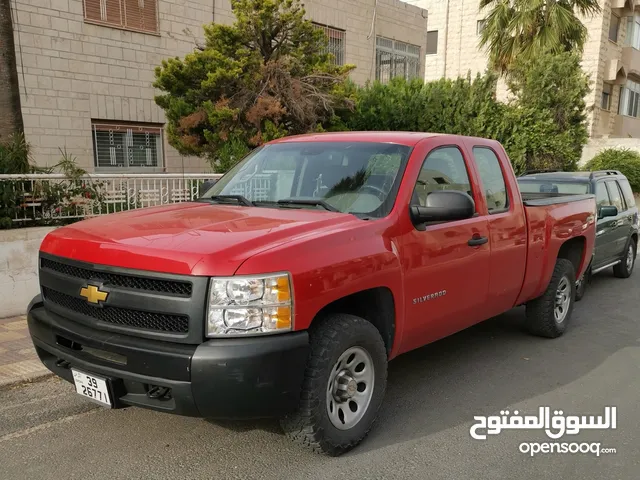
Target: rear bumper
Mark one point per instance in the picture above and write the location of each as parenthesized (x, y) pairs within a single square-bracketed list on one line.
[(221, 378)]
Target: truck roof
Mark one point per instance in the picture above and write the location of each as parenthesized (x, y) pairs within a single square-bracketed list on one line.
[(409, 139)]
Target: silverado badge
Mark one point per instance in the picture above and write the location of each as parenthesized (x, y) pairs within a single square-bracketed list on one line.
[(93, 294)]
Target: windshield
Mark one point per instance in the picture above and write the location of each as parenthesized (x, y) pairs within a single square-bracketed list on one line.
[(553, 186), (361, 178)]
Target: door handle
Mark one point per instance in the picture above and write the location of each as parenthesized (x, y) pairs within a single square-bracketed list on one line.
[(477, 240)]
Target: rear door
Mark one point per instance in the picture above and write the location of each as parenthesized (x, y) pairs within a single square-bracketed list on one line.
[(621, 224), (507, 229), (605, 237)]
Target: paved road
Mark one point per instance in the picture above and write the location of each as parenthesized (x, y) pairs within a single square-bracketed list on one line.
[(47, 432)]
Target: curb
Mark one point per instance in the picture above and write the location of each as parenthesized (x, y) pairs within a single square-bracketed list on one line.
[(12, 383)]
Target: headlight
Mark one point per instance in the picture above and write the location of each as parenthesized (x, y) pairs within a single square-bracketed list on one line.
[(249, 305)]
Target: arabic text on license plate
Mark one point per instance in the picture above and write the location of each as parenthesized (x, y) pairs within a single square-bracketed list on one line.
[(91, 387)]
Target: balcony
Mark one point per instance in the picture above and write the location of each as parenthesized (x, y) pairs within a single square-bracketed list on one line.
[(625, 7), (631, 61), (625, 127)]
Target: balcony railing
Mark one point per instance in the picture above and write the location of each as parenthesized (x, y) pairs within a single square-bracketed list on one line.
[(52, 198)]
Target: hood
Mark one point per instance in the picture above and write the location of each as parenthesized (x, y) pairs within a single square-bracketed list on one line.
[(187, 238)]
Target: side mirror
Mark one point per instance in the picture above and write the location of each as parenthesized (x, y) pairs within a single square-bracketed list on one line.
[(608, 211), (444, 206)]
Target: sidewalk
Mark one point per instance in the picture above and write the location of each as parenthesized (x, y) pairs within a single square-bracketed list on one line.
[(18, 359)]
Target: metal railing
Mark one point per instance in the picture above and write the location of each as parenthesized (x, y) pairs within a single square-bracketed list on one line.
[(56, 197)]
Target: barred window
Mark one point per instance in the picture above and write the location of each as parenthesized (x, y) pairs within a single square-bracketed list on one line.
[(396, 59), (335, 42), (139, 15), (127, 145)]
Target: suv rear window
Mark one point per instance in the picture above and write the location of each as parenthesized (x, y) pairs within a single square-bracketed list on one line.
[(628, 193)]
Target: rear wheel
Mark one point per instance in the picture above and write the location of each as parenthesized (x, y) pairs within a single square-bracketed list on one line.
[(345, 381), (549, 314), (582, 283), (625, 268)]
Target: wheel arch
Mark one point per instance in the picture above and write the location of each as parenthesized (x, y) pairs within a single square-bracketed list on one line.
[(574, 251), (376, 305)]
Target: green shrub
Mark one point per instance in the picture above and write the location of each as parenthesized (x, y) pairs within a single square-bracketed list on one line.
[(623, 159)]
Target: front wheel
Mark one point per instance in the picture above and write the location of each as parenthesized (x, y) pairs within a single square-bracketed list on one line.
[(625, 268), (345, 381), (548, 315)]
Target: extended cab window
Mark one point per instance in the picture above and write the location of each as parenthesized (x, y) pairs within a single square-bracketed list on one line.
[(616, 197), (443, 169), (602, 195), (495, 189)]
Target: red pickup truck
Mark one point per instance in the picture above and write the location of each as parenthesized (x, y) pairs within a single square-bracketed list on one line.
[(286, 289)]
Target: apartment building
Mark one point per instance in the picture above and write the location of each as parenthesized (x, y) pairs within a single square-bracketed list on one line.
[(611, 58), (86, 69)]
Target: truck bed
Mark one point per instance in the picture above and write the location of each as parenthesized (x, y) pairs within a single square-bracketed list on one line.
[(552, 220)]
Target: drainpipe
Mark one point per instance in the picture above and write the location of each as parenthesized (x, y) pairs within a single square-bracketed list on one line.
[(446, 38)]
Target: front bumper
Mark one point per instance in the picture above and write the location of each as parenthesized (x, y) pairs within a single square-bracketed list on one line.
[(221, 378)]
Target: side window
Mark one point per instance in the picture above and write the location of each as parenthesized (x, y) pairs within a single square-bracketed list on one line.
[(443, 169), (616, 197), (602, 195), (627, 193), (495, 189)]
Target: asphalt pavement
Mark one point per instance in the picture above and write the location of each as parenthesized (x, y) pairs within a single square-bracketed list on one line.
[(49, 432)]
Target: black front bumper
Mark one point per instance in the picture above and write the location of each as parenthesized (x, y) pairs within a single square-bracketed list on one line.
[(225, 378)]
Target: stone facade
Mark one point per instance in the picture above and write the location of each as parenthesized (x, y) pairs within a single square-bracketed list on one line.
[(606, 61), (73, 72)]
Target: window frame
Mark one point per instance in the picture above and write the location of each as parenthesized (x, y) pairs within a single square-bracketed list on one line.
[(507, 207), (629, 99), (437, 35), (626, 191), (619, 19), (480, 25), (622, 202), (595, 192), (160, 146), (609, 96), (121, 25), (341, 35), (396, 49), (465, 162)]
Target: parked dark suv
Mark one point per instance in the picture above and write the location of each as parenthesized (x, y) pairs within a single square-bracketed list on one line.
[(617, 228)]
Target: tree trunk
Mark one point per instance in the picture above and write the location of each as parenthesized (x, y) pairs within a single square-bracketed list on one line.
[(10, 111)]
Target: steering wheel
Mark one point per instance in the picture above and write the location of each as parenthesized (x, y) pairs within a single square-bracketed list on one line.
[(381, 194)]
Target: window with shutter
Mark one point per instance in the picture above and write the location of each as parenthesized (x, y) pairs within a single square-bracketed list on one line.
[(140, 15)]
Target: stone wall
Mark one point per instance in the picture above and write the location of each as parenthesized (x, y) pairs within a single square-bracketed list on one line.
[(19, 268), (72, 71)]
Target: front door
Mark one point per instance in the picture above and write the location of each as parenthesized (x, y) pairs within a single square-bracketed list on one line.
[(605, 231), (447, 265)]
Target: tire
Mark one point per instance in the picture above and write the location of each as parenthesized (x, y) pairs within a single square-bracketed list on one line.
[(582, 285), (541, 312), (312, 425), (625, 268)]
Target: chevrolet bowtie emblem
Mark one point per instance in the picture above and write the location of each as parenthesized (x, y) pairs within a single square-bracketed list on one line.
[(93, 294)]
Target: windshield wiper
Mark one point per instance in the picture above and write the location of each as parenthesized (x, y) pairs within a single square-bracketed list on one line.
[(312, 202), (238, 198)]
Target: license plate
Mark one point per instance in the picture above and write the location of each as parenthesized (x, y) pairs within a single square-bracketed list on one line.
[(92, 387)]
